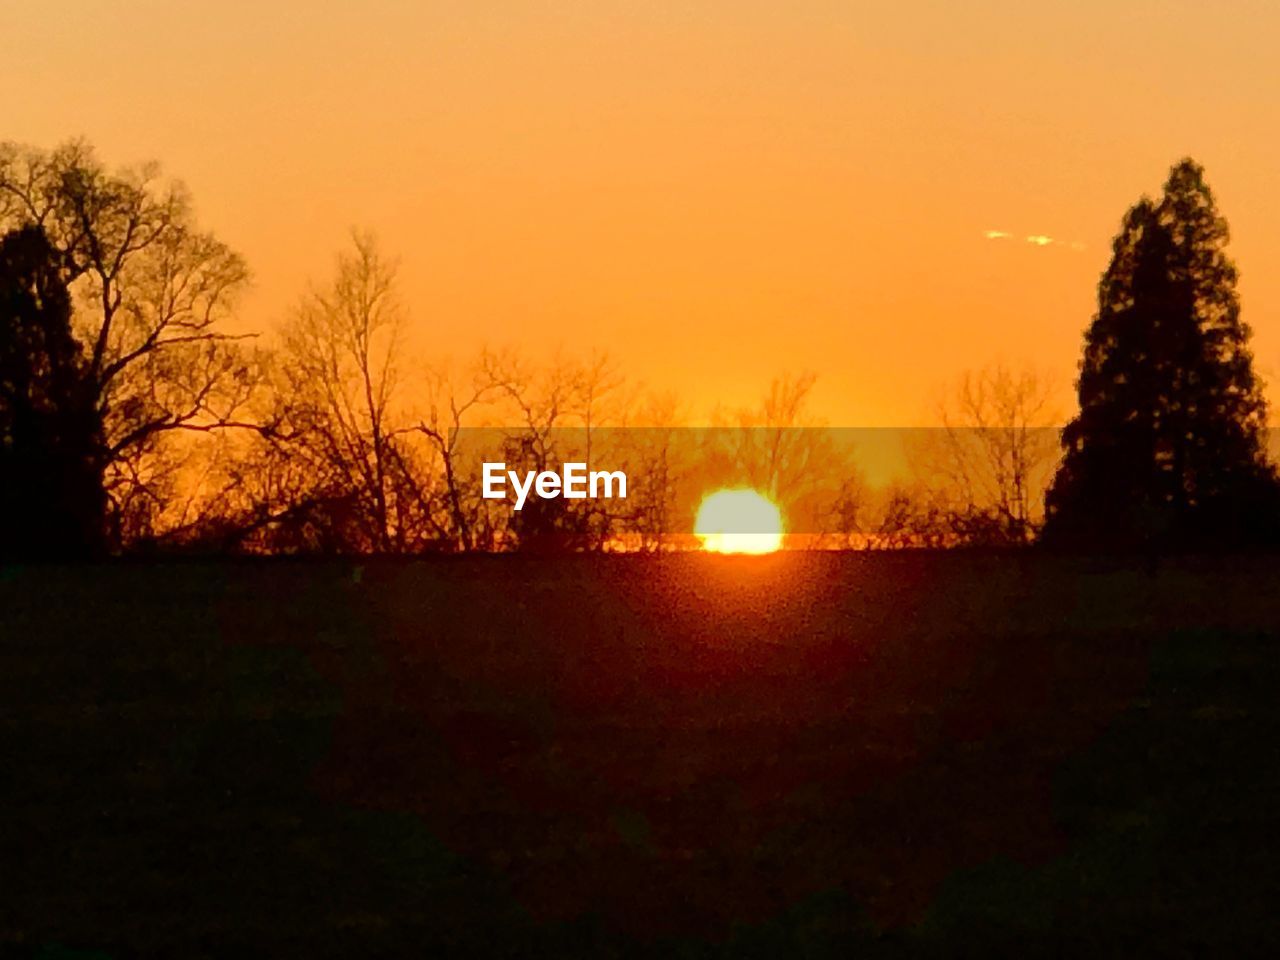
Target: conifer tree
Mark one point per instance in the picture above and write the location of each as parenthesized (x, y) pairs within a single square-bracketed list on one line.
[(51, 495), (1168, 445)]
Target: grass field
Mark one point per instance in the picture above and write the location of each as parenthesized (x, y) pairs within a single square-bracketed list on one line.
[(690, 756)]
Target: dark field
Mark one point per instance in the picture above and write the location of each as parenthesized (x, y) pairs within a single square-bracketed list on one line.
[(798, 755)]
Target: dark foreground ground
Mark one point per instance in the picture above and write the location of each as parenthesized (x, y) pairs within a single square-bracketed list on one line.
[(798, 755)]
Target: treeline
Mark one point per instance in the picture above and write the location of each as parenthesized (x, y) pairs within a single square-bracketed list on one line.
[(135, 418)]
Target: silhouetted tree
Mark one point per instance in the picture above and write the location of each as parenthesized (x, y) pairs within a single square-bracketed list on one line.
[(152, 292), (347, 478), (462, 521), (1168, 445), (50, 437), (657, 464), (987, 468), (552, 416), (783, 450)]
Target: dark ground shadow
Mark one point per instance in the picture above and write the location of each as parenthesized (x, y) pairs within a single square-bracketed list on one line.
[(689, 756)]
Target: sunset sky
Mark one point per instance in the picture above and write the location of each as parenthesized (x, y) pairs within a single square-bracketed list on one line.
[(715, 192)]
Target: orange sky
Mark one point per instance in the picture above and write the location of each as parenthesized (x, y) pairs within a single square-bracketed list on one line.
[(716, 192)]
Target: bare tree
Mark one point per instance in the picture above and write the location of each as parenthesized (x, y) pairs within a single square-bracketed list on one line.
[(988, 466), (657, 455), (535, 403), (550, 414), (466, 522), (153, 293), (846, 521), (783, 450), (338, 382)]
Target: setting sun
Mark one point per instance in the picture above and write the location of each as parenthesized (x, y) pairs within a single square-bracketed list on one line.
[(739, 521)]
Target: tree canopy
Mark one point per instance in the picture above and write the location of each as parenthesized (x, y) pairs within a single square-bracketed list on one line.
[(151, 294), (1168, 444), (50, 435)]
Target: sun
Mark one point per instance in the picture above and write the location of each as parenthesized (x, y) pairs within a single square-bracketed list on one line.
[(739, 521)]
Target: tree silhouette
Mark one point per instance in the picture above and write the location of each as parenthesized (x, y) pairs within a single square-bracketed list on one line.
[(152, 292), (987, 468), (340, 390), (50, 436), (1167, 448), (554, 416)]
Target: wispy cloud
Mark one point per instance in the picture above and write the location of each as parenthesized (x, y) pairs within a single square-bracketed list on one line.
[(1035, 239)]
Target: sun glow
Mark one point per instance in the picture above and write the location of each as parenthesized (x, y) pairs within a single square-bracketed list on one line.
[(739, 521)]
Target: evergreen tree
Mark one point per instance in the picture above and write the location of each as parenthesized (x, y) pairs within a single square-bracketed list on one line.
[(1167, 448), (51, 494)]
